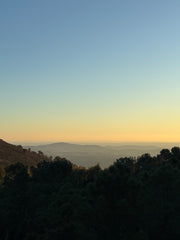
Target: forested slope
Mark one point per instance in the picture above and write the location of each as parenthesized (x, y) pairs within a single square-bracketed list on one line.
[(10, 154), (132, 199)]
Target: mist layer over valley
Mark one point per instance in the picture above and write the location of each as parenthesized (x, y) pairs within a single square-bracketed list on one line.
[(87, 155)]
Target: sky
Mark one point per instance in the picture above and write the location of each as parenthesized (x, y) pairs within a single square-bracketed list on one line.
[(90, 70)]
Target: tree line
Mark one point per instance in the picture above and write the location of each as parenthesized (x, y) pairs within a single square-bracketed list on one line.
[(133, 199)]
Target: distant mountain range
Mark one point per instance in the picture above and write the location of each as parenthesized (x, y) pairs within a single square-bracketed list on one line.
[(79, 154), (10, 154), (89, 155)]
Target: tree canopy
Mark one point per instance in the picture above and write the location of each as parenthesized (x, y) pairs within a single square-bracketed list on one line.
[(135, 198)]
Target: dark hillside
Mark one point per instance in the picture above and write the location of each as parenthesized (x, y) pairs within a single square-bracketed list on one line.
[(133, 199), (10, 154)]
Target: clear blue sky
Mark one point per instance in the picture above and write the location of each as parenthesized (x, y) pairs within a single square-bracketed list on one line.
[(90, 70)]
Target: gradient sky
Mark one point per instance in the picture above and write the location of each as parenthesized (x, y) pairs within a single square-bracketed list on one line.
[(90, 70)]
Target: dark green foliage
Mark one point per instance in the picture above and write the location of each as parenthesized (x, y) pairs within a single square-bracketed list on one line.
[(51, 170), (16, 174), (165, 154), (134, 199)]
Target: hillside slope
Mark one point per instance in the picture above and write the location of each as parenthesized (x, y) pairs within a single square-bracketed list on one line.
[(10, 154)]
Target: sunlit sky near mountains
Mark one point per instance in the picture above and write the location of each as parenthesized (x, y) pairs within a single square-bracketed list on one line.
[(90, 70)]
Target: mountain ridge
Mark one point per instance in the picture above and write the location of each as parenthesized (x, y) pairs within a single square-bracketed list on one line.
[(87, 155), (10, 153)]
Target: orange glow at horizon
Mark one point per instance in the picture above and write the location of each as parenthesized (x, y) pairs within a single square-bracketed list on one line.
[(153, 126), (97, 136)]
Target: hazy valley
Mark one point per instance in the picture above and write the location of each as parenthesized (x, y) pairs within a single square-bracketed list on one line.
[(89, 155)]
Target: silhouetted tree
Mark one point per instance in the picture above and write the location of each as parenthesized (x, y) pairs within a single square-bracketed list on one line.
[(165, 154), (134, 198)]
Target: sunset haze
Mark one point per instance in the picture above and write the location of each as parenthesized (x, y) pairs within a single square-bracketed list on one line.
[(90, 71)]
